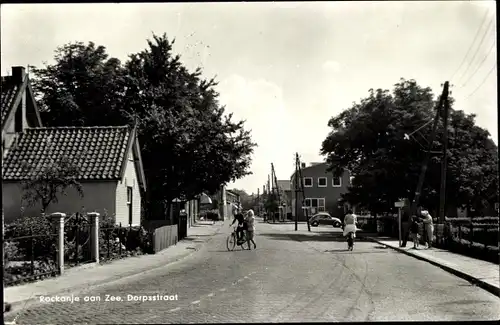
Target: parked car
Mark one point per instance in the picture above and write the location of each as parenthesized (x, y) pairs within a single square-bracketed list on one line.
[(324, 218)]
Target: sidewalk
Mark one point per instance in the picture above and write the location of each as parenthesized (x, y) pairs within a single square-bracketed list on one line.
[(481, 273), (79, 279)]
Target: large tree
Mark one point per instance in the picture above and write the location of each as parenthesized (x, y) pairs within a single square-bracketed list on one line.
[(189, 144), (83, 87), (199, 146), (368, 139)]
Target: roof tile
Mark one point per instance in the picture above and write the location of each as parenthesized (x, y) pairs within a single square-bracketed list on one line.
[(98, 151), (9, 91)]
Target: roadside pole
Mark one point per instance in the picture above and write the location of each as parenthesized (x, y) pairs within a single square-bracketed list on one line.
[(399, 205)]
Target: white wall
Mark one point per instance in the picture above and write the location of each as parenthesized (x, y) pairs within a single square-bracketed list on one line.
[(130, 179), (98, 196)]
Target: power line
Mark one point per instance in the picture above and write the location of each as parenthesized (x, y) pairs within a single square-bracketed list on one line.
[(478, 47), (484, 80), (473, 41), (480, 65)]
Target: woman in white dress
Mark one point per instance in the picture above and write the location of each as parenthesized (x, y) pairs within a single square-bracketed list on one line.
[(350, 221), (429, 227)]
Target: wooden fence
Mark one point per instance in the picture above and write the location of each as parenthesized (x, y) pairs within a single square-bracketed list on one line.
[(165, 237)]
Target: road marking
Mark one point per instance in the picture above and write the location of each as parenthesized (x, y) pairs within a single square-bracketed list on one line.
[(175, 309), (223, 289), (210, 294), (195, 302)]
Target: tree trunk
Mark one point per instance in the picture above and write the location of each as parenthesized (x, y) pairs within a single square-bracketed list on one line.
[(169, 209)]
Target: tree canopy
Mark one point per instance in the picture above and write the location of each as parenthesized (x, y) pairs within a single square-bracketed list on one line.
[(189, 143), (368, 139)]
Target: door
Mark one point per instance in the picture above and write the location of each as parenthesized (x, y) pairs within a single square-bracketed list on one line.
[(129, 204)]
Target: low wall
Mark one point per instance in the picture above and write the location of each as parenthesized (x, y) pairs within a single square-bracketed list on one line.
[(164, 237)]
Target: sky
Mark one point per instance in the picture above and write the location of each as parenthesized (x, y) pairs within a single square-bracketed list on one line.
[(285, 68)]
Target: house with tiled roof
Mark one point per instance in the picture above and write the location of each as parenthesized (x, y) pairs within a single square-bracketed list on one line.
[(19, 109), (108, 160)]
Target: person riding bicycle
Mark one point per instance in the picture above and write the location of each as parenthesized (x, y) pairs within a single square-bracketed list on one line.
[(241, 225), (350, 221)]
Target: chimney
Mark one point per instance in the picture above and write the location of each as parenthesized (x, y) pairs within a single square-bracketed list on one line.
[(18, 74), (303, 165)]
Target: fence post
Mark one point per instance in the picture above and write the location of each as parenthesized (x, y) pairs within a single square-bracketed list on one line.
[(94, 236), (58, 220)]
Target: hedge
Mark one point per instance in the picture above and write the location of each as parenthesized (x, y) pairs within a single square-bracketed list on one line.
[(38, 245), (133, 241), (117, 242)]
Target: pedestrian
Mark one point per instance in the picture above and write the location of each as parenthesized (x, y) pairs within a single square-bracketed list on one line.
[(414, 231), (251, 227), (429, 228)]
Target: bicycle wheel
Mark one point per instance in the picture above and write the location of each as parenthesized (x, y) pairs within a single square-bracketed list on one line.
[(231, 242)]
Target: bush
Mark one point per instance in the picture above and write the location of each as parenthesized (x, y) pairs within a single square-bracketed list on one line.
[(38, 245), (118, 242), (42, 244)]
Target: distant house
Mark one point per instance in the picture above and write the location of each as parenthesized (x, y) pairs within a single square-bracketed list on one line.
[(321, 190), (109, 159)]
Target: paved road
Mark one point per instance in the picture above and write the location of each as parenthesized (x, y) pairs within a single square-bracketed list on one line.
[(290, 277)]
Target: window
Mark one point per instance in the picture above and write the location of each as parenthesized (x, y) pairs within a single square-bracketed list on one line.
[(316, 204), (129, 204), (308, 182), (322, 181), (337, 182)]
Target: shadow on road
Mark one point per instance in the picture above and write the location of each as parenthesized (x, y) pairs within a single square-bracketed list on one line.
[(345, 251), (323, 236)]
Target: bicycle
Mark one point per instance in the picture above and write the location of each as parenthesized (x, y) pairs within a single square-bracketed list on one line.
[(232, 241)]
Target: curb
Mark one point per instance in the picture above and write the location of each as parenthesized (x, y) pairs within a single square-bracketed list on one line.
[(478, 282), (18, 306)]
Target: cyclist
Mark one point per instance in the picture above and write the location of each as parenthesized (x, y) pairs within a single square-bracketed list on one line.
[(241, 225), (350, 221)]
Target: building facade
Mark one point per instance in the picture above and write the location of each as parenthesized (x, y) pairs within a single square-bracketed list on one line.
[(322, 191)]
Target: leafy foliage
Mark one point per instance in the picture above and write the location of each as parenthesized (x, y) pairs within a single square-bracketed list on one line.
[(368, 139), (247, 201), (29, 238), (48, 182), (176, 111)]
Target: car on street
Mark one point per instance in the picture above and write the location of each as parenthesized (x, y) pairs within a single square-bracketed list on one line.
[(324, 218)]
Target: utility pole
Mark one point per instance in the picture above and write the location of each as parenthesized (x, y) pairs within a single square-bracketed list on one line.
[(301, 182), (296, 191), (416, 198), (258, 201), (442, 191), (273, 175)]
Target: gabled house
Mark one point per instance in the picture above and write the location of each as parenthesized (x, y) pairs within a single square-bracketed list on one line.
[(322, 191), (108, 159), (19, 109)]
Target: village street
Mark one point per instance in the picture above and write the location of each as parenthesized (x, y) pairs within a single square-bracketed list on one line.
[(291, 276)]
